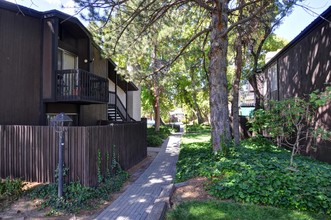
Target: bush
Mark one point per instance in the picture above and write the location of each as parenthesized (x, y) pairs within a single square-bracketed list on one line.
[(10, 189), (154, 138), (257, 173), (154, 141), (77, 196), (197, 128)]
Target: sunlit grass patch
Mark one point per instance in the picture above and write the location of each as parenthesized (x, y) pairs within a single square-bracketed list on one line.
[(218, 210)]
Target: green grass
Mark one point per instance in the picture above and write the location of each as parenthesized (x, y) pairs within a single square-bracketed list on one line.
[(257, 173), (231, 211)]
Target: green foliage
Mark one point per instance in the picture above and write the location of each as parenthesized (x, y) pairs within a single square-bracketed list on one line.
[(10, 189), (233, 211), (283, 117), (193, 160), (99, 175), (76, 196), (197, 128), (65, 171), (292, 120), (257, 173), (154, 141), (156, 138)]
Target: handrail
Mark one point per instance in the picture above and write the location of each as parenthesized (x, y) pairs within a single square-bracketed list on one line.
[(120, 107), (80, 85)]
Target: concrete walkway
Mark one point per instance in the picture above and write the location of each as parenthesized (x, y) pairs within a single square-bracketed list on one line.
[(139, 198)]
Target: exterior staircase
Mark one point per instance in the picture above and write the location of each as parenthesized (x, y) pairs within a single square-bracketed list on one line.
[(114, 115), (116, 110)]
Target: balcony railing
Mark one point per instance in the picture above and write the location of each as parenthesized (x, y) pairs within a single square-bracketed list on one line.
[(76, 85)]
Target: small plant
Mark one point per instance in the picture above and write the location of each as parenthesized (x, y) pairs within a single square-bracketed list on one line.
[(65, 172), (115, 162), (10, 189), (154, 141), (154, 138), (99, 174), (256, 173), (291, 121), (75, 195)]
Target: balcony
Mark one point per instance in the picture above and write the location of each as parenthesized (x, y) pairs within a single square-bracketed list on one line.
[(79, 86)]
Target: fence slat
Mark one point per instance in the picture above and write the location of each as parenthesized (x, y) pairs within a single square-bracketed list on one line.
[(31, 152)]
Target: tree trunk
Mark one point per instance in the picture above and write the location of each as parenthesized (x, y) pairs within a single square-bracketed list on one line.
[(197, 110), (156, 106), (156, 88), (218, 98), (236, 85), (258, 96)]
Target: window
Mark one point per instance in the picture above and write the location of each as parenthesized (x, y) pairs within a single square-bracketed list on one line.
[(66, 60)]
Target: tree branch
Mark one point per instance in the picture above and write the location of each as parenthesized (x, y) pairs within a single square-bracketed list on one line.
[(203, 4), (244, 20)]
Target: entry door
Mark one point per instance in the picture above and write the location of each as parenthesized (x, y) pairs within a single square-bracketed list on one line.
[(67, 60)]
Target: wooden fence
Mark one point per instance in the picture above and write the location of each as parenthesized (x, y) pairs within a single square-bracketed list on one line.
[(31, 152)]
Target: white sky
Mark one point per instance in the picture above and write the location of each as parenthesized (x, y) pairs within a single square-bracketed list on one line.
[(290, 28), (300, 18)]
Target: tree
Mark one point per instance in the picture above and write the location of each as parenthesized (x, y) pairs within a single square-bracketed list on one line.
[(218, 11), (244, 36), (291, 121), (262, 40)]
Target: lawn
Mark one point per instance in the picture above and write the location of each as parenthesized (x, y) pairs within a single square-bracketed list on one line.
[(217, 210), (257, 173)]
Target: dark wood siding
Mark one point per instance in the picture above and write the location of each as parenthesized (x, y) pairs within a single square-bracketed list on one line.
[(47, 57), (83, 53), (100, 65), (304, 67), (20, 68), (91, 114)]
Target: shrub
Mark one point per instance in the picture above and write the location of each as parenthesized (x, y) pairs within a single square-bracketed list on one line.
[(11, 189), (257, 173), (292, 121), (196, 128), (154, 141), (77, 196), (155, 138)]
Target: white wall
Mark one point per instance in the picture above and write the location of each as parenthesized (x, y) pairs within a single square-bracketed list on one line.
[(134, 102), (120, 92), (134, 105)]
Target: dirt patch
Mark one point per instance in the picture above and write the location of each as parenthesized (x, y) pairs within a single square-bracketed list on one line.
[(192, 189), (25, 208)]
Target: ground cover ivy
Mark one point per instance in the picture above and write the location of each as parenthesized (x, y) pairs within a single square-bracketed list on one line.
[(10, 190), (258, 173), (76, 196)]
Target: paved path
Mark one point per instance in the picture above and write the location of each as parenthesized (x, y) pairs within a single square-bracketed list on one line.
[(138, 199)]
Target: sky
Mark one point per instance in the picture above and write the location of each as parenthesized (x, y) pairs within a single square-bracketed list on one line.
[(292, 25)]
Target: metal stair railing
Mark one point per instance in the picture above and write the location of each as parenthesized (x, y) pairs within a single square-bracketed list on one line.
[(115, 102)]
